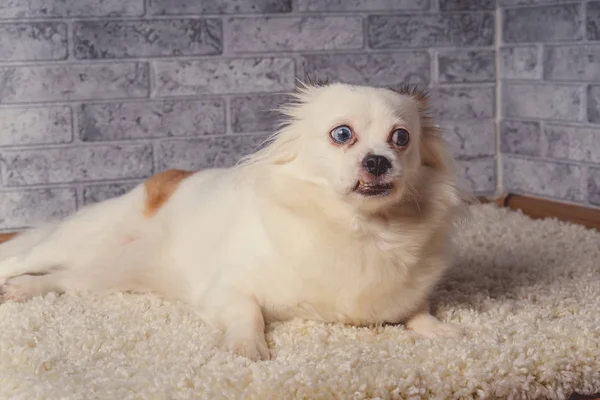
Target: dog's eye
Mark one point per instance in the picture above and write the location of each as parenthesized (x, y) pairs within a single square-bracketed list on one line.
[(400, 137), (341, 134)]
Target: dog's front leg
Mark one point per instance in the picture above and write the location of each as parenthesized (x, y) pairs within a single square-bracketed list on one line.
[(242, 320), (423, 323)]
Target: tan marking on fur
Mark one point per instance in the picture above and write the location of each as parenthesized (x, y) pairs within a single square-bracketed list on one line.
[(160, 187)]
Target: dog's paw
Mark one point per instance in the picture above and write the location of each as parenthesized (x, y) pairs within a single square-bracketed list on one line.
[(442, 330), (253, 348), (20, 288), (431, 327)]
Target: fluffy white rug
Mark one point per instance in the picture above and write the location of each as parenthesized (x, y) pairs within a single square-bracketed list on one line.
[(529, 293)]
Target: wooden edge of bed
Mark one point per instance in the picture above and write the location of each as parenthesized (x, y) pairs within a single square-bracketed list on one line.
[(533, 207), (576, 396), (538, 208), (6, 236)]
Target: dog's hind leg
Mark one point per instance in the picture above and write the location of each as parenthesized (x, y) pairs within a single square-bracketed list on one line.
[(23, 287), (24, 253), (55, 249), (123, 267), (73, 243), (25, 240)]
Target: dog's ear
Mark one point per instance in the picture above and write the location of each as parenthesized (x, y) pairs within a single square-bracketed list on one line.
[(434, 150)]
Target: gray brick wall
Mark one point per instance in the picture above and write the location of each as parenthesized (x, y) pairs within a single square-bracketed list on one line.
[(95, 95), (549, 73)]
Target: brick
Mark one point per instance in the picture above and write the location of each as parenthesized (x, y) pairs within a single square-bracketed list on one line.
[(509, 3), (521, 62), (375, 69), (542, 24), (465, 5), (183, 7), (573, 143), (255, 113), (198, 154), (572, 63), (75, 164), (593, 186), (593, 105), (546, 101), (147, 38), (117, 121), (543, 178), (33, 42), (26, 208), (69, 8), (593, 20), (469, 139), (24, 126), (260, 34), (522, 137), (459, 103), (417, 30), (467, 66), (73, 82), (480, 174), (362, 5), (242, 75), (554, 141), (97, 193)]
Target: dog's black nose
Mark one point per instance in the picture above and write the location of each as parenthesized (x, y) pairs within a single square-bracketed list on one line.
[(376, 165)]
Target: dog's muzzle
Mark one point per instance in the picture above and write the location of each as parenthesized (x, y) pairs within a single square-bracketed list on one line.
[(372, 181)]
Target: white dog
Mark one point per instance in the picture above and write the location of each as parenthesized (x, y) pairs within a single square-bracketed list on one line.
[(345, 215)]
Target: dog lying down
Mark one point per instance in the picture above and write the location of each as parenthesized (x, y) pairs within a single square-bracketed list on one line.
[(345, 215)]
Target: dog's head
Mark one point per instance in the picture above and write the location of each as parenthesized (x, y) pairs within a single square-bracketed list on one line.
[(368, 144)]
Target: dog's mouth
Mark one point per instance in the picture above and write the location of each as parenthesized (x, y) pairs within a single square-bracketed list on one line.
[(373, 188)]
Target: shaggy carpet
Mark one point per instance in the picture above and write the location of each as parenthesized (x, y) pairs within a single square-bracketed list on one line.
[(527, 291)]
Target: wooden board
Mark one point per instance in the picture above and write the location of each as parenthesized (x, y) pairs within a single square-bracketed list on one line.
[(6, 236), (541, 208), (584, 397)]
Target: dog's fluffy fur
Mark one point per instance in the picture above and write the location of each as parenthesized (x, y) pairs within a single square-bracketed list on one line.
[(291, 231)]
